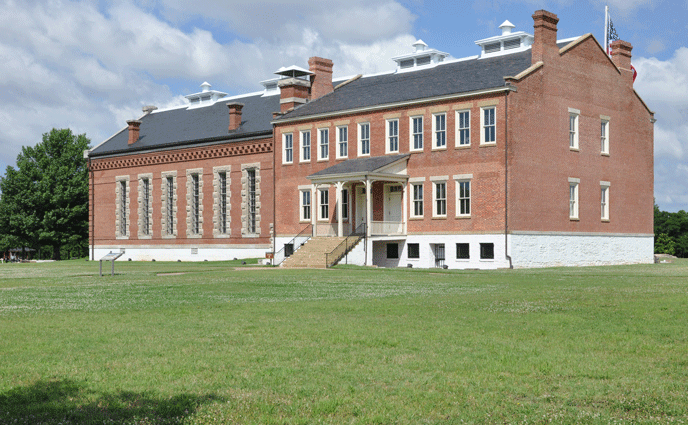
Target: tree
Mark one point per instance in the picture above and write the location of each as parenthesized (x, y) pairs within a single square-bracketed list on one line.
[(45, 200)]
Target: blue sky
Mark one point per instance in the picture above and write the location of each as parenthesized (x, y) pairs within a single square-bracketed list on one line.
[(90, 66)]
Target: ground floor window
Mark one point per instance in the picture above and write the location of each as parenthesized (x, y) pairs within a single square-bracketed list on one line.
[(487, 251), (413, 250), (463, 251), (392, 250)]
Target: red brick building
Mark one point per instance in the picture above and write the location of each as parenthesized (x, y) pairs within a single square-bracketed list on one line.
[(535, 152)]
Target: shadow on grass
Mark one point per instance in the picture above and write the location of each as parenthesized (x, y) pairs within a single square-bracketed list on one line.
[(69, 402)]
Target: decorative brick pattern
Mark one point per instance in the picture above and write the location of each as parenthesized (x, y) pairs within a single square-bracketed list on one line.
[(217, 202), (165, 190), (122, 219), (189, 203), (145, 232), (244, 200), (171, 157)]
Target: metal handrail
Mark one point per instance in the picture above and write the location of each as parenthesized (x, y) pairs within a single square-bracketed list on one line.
[(343, 248), (305, 234)]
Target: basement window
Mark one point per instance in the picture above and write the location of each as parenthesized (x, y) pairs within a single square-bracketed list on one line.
[(392, 250)]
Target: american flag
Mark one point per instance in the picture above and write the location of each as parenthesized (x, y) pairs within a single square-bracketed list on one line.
[(610, 36)]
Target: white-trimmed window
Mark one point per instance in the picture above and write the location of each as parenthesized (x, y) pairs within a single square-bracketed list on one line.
[(604, 136), (122, 207), (145, 206), (364, 139), (305, 146), (487, 251), (417, 207), (604, 200), (439, 199), (573, 198), (488, 125), (169, 204), (324, 211), (323, 143), (305, 204), (463, 128), (416, 125), (463, 251), (439, 131), (343, 142), (392, 136), (463, 194), (573, 128), (287, 148)]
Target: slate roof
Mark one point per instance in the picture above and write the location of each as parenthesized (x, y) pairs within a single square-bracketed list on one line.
[(445, 79), (182, 126), (359, 165)]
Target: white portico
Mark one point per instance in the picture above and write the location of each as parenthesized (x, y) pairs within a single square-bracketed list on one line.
[(376, 186)]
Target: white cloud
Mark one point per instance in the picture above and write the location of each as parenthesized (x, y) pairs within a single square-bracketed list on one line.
[(663, 85)]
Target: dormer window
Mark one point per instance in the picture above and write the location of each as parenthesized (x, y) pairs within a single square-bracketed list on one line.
[(205, 97), (421, 58), (508, 41)]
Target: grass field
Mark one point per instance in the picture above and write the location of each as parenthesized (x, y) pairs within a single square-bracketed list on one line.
[(217, 343)]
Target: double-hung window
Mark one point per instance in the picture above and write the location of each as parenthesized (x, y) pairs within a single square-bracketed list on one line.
[(604, 136), (392, 136), (604, 200), (440, 199), (417, 210), (305, 205), (463, 194), (417, 133), (324, 143), (573, 128), (342, 142), (324, 204), (364, 139), (305, 146), (573, 198), (439, 131), (463, 128), (345, 204), (488, 124), (288, 148)]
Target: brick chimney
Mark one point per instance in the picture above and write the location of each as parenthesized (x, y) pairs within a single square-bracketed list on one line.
[(621, 56), (133, 131), (295, 87), (234, 115), (545, 36), (321, 80)]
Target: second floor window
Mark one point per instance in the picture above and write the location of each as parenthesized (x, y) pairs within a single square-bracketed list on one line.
[(393, 136), (324, 141), (364, 136), (417, 133), (305, 146), (440, 134), (343, 142)]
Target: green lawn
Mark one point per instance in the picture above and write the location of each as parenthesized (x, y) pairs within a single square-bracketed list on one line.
[(216, 343)]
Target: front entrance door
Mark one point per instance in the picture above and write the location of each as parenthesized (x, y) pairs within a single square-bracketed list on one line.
[(360, 206), (393, 203)]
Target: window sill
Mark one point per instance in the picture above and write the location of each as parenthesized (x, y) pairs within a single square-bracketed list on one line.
[(323, 160), (122, 237), (487, 145), (363, 154), (221, 236), (304, 221), (418, 218), (439, 217), (487, 260), (462, 147), (604, 154), (342, 158), (287, 163), (441, 148), (169, 236), (462, 217), (145, 237), (305, 161), (574, 149), (605, 220), (574, 218), (416, 150), (251, 235), (196, 236)]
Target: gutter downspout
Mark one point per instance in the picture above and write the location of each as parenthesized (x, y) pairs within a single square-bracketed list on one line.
[(506, 178), (93, 212), (274, 195)]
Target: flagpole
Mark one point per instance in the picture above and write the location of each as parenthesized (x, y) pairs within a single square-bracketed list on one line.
[(606, 29)]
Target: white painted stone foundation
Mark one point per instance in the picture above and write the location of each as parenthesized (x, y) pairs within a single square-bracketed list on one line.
[(187, 253), (551, 250)]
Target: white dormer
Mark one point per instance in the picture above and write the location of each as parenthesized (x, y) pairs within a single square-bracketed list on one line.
[(205, 97), (422, 58), (508, 42), (270, 87)]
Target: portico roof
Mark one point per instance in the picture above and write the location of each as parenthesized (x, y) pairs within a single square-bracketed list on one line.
[(362, 168)]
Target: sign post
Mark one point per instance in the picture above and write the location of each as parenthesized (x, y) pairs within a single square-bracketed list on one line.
[(112, 256)]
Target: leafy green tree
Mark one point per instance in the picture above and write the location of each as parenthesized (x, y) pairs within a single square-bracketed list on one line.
[(664, 244), (45, 200)]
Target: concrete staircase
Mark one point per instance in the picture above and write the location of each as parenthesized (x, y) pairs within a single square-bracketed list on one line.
[(312, 253)]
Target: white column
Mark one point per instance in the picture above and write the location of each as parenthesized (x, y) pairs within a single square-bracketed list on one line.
[(369, 206), (314, 207), (340, 221), (404, 207)]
